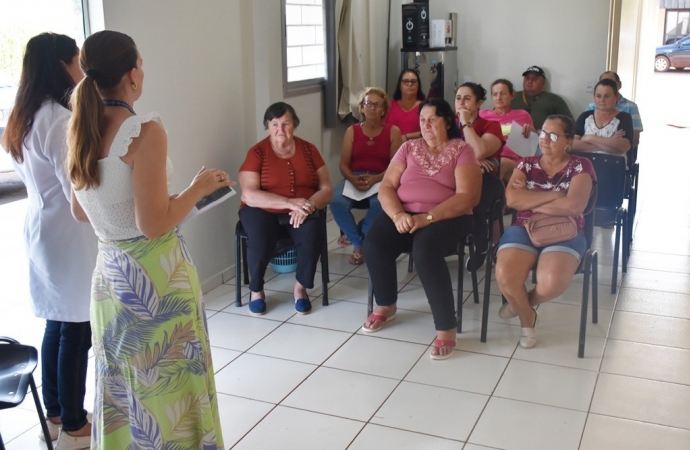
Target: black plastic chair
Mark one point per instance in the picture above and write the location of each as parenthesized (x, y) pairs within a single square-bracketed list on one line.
[(17, 364), (284, 241), (362, 205), (612, 179), (495, 213), (631, 191), (460, 252), (589, 268)]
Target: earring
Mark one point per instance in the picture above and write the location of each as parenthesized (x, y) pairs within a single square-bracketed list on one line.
[(134, 86)]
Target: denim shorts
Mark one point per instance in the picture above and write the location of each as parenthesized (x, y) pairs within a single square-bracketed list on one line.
[(517, 237)]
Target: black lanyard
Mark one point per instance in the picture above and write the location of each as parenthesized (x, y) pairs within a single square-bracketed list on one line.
[(108, 102)]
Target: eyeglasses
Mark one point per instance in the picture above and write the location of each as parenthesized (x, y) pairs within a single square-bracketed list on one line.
[(410, 82), (373, 105), (553, 136)]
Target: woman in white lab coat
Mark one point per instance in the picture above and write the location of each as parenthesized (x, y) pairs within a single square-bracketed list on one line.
[(61, 251)]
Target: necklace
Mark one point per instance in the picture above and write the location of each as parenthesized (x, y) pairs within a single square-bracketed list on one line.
[(109, 102), (370, 142)]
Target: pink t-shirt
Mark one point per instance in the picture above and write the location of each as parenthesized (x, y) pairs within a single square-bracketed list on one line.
[(407, 121), (520, 116), (430, 180)]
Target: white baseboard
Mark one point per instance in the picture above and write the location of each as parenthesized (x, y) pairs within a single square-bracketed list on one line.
[(216, 280)]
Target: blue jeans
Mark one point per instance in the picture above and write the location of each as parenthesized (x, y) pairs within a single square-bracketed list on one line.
[(341, 208), (64, 358)]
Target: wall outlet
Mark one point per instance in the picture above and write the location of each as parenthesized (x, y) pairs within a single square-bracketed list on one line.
[(589, 86)]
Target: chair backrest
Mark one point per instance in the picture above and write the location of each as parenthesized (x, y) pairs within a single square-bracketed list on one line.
[(17, 363), (611, 178)]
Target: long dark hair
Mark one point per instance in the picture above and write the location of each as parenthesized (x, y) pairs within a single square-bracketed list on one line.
[(444, 111), (105, 58), (43, 77), (397, 95)]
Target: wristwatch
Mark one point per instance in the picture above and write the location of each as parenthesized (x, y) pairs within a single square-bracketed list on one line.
[(467, 124), (430, 218)]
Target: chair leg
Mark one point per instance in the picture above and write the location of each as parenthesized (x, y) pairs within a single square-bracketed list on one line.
[(460, 294), (324, 281), (616, 252), (238, 271), (487, 293), (626, 240), (595, 287), (473, 274), (410, 263), (245, 263), (370, 299), (41, 416), (585, 301)]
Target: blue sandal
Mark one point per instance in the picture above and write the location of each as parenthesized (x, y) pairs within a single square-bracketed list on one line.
[(302, 306), (257, 307)]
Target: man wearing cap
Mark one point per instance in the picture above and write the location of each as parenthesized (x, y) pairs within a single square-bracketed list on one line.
[(537, 102), (624, 105)]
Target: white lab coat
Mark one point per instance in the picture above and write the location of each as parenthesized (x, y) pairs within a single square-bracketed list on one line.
[(61, 251)]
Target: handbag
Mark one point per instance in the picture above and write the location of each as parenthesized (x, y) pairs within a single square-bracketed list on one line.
[(544, 229)]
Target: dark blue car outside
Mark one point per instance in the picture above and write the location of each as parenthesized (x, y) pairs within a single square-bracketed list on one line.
[(675, 55)]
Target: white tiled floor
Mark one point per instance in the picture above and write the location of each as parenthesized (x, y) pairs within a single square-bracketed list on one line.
[(315, 382)]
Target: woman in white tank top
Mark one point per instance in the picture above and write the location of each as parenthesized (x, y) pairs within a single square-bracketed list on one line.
[(151, 342)]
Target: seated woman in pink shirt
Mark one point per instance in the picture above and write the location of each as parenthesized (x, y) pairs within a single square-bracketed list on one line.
[(404, 109), (502, 93), (427, 195)]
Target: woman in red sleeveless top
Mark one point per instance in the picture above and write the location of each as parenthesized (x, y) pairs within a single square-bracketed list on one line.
[(367, 149)]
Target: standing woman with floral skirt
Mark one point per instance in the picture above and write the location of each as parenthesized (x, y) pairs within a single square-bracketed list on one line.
[(155, 387)]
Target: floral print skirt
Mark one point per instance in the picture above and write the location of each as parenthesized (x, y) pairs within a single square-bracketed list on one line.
[(154, 376)]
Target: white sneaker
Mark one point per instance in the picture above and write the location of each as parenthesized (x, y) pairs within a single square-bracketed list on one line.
[(68, 442), (528, 338), (53, 430), (506, 312)]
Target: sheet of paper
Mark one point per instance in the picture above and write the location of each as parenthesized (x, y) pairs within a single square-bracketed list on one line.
[(350, 191), (519, 144), (208, 206)]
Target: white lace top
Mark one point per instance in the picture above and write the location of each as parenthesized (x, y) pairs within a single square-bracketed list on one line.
[(110, 206)]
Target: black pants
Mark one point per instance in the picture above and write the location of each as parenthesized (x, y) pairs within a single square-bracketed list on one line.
[(429, 245), (263, 231), (492, 188)]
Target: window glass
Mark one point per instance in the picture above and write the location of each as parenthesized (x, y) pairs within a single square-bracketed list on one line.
[(676, 26), (305, 52), (20, 20)]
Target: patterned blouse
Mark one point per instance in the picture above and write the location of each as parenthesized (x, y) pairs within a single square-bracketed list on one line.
[(539, 181)]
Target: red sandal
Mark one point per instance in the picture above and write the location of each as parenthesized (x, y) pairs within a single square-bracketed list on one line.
[(438, 344), (377, 318)]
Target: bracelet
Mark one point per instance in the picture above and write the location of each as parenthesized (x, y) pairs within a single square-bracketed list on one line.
[(396, 214)]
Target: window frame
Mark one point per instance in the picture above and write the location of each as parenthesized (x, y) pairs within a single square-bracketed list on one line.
[(666, 23), (293, 88)]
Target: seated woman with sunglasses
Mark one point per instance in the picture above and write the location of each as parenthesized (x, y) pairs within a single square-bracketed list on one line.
[(553, 183), (367, 149), (404, 110)]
